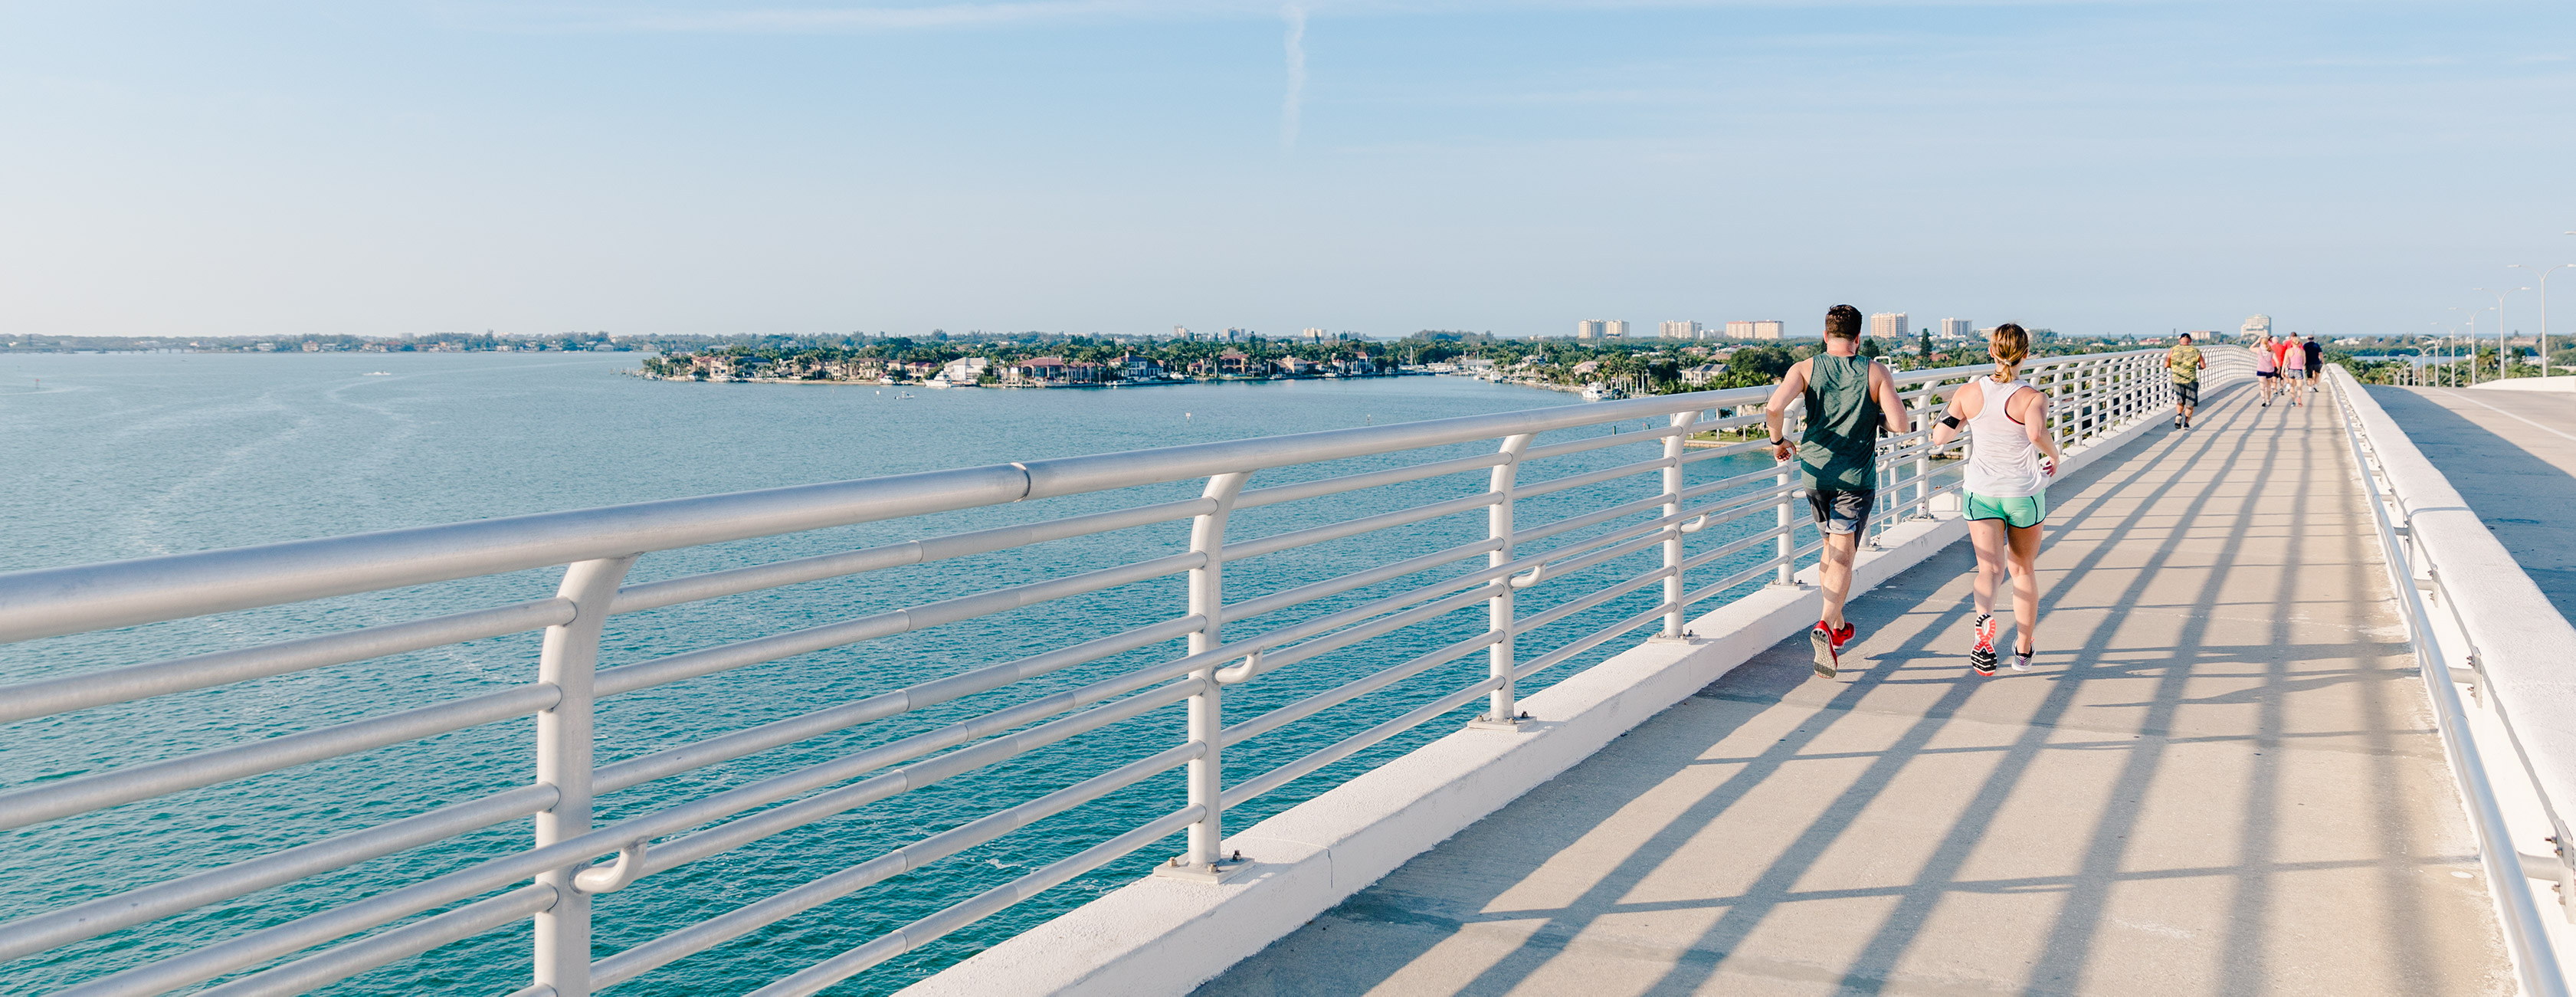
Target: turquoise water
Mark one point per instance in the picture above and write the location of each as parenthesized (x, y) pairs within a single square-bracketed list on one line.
[(126, 456)]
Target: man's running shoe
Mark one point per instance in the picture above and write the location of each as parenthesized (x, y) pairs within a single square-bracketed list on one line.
[(1982, 656), (1829, 646), (2021, 659)]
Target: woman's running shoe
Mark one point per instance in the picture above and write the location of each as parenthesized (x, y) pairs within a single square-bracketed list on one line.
[(1982, 656), (1829, 646), (2021, 659)]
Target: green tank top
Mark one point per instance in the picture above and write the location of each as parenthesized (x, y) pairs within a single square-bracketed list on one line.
[(1839, 449)]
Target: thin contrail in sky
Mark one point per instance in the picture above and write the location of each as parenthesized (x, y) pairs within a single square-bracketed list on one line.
[(1288, 110)]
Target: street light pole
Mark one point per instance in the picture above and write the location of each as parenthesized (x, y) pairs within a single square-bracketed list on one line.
[(2473, 341), (2473, 337), (2544, 308)]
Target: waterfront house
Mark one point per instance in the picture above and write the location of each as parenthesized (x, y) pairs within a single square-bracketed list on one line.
[(1035, 372), (1701, 375), (1135, 368), (1234, 364)]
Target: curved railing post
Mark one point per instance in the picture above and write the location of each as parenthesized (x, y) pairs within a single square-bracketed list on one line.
[(1923, 409), (1502, 706), (1674, 446), (1206, 774), (1788, 545), (564, 739)]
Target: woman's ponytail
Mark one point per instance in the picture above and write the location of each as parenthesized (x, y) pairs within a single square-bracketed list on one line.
[(2010, 346)]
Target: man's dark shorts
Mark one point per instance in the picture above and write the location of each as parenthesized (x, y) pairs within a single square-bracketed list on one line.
[(1840, 512), (2187, 393)]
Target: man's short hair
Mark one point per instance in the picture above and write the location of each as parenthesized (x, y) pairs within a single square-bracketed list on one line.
[(1843, 321)]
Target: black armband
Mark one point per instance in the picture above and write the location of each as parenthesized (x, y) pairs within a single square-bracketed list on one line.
[(1951, 421)]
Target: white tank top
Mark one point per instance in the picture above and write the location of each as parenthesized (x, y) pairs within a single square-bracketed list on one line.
[(2002, 461)]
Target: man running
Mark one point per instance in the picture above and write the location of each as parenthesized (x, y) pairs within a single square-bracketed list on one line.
[(2316, 360), (1849, 398), (2011, 457), (2184, 363)]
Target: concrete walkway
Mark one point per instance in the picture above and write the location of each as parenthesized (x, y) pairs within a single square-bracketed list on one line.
[(2512, 455), (2220, 780)]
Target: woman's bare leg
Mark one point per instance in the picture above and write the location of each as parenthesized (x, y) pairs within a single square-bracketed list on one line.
[(2024, 554), (1987, 536)]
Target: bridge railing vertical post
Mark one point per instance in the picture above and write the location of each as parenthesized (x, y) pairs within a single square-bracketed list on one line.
[(1924, 410), (1674, 446), (565, 736), (1206, 774), (1788, 543), (1501, 705)]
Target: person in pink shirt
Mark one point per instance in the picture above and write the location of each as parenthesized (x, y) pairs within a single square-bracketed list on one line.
[(2294, 369), (2267, 368)]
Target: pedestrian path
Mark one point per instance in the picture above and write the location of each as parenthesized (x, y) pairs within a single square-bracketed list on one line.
[(2221, 778)]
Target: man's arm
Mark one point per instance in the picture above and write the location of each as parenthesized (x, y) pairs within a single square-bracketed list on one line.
[(1775, 414), (1891, 402)]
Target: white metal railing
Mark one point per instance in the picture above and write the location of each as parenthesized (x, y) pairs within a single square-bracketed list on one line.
[(1382, 609), (2505, 806)]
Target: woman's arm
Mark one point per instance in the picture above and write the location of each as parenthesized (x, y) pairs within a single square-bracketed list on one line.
[(2035, 420), (1943, 432)]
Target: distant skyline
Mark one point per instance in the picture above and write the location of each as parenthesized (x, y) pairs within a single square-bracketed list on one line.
[(1125, 166)]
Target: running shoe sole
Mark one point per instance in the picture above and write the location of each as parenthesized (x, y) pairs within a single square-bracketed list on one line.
[(1981, 656), (1825, 658)]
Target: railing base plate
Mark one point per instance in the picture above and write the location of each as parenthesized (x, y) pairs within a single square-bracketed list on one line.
[(1212, 873), (1489, 723)]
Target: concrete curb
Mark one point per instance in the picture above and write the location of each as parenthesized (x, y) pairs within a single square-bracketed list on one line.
[(1163, 936), (2518, 634)]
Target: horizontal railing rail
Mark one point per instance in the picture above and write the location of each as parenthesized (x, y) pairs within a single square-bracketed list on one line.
[(1598, 521), (2439, 633)]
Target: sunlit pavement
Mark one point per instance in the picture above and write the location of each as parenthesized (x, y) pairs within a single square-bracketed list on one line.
[(2220, 778)]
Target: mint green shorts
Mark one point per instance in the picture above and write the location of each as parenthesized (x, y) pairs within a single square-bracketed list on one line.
[(2021, 512)]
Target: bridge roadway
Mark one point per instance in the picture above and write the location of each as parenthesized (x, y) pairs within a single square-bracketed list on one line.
[(2222, 778), (2512, 456)]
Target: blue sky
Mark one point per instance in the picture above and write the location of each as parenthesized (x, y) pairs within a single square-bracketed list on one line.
[(374, 169)]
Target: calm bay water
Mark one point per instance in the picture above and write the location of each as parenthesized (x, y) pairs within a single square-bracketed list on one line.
[(126, 456)]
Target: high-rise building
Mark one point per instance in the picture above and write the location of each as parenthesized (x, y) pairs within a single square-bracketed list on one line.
[(2260, 325), (1954, 328), (1616, 328), (1313, 335), (1591, 328), (1678, 329), (1770, 328), (1739, 330), (1889, 325)]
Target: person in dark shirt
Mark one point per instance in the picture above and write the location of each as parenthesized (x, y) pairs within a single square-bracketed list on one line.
[(1849, 400), (2316, 360)]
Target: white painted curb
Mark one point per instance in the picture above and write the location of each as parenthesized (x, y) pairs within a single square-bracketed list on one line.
[(1165, 936)]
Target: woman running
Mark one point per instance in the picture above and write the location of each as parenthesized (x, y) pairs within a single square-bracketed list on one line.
[(2011, 456), (2267, 368)]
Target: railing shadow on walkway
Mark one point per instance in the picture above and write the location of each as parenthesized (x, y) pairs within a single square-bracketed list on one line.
[(2282, 602)]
